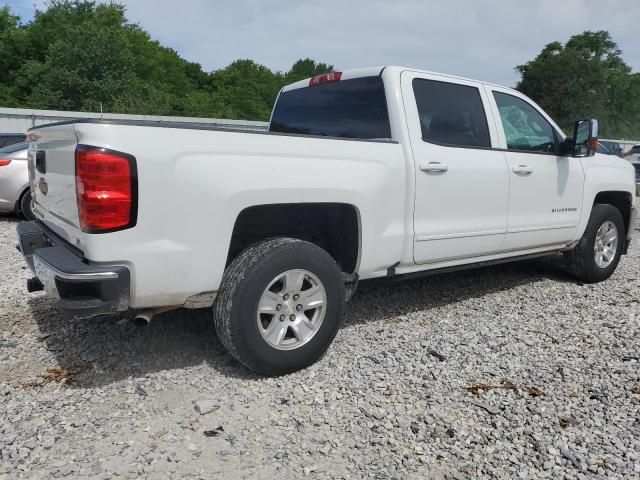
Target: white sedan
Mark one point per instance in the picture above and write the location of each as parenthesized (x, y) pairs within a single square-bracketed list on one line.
[(14, 180)]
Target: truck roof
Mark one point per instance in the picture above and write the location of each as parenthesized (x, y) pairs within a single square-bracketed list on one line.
[(377, 70)]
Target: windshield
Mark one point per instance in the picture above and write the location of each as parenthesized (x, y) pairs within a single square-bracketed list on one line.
[(355, 108), (15, 147)]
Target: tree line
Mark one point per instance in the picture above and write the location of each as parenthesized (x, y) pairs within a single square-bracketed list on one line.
[(79, 55), (86, 56)]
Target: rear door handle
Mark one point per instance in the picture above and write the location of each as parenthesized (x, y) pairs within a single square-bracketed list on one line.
[(434, 167), (523, 170)]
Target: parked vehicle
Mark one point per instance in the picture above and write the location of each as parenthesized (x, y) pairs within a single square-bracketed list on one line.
[(366, 173), (7, 139), (633, 154), (611, 148), (602, 149), (14, 181), (607, 149)]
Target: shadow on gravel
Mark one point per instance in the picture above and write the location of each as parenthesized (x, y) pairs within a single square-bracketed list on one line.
[(384, 298), (107, 349), (102, 350), (10, 218)]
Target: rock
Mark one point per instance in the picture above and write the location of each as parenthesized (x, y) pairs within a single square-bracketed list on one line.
[(489, 408), (204, 406), (569, 455)]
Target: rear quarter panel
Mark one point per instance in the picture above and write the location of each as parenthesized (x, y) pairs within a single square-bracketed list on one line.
[(194, 183)]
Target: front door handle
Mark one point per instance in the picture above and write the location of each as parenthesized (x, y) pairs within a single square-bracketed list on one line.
[(523, 170), (434, 167)]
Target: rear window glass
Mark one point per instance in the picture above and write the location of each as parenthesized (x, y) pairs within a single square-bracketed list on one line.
[(355, 108), (15, 147), (6, 140)]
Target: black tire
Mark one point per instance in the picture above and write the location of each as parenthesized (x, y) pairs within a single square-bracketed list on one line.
[(25, 206), (244, 282), (581, 261)]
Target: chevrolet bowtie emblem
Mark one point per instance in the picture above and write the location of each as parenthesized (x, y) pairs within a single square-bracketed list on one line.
[(42, 185)]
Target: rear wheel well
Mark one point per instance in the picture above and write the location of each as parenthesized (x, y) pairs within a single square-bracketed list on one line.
[(620, 200), (331, 226)]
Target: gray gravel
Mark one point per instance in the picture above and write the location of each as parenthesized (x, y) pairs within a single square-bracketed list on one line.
[(514, 371)]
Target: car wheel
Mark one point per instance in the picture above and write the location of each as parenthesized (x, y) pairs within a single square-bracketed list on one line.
[(597, 254), (26, 206), (279, 305)]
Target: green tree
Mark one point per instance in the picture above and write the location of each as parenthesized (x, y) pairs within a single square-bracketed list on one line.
[(11, 41), (247, 88), (305, 68), (83, 55), (585, 77)]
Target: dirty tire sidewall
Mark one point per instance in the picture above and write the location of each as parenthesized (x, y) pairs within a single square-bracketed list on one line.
[(25, 206), (581, 261), (242, 286)]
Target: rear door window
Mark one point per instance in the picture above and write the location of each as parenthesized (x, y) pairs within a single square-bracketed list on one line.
[(451, 114), (355, 108)]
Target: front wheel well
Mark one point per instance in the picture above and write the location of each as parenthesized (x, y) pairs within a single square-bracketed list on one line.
[(620, 200), (332, 226)]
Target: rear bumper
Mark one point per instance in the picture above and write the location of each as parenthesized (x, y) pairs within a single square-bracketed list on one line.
[(82, 288)]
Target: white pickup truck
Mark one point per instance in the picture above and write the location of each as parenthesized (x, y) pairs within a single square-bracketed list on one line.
[(364, 173)]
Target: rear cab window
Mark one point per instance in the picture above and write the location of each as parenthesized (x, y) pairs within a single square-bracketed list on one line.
[(355, 108)]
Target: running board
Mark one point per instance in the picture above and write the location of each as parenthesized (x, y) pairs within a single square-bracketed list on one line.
[(471, 266)]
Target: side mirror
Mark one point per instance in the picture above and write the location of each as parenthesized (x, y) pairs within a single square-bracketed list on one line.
[(585, 135)]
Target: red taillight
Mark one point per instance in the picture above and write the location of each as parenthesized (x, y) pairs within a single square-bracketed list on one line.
[(325, 78), (4, 162), (106, 189)]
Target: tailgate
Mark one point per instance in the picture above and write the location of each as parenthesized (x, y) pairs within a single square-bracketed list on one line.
[(52, 179)]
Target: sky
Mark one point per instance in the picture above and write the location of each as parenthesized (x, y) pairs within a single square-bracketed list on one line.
[(481, 39)]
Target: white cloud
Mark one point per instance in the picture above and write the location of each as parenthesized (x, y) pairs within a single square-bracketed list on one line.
[(478, 39)]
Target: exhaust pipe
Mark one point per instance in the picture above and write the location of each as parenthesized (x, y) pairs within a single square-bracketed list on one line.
[(143, 317)]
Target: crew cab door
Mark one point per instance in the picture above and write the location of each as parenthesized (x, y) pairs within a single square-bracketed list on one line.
[(546, 189), (461, 184)]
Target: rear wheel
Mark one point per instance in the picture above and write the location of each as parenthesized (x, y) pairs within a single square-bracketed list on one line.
[(280, 305), (596, 256), (26, 206)]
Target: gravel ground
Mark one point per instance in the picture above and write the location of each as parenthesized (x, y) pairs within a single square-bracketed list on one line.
[(510, 372)]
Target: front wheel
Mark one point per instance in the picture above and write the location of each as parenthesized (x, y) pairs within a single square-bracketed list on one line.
[(279, 306), (597, 254)]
